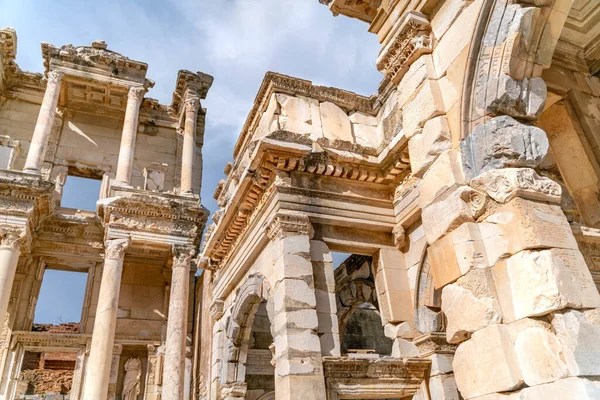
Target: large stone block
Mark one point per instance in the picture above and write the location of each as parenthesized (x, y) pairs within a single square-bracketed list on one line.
[(467, 313), (420, 70), (294, 108), (443, 387), (427, 103), (487, 363), (336, 123), (425, 148), (540, 356), (505, 184), (530, 225), (533, 283), (503, 142), (446, 15), (428, 320), (451, 210), (570, 388), (579, 333), (523, 98), (444, 174)]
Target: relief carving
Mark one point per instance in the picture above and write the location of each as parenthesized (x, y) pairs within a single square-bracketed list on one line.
[(503, 185), (413, 39)]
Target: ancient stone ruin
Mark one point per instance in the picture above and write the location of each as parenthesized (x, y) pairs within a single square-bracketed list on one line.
[(466, 193)]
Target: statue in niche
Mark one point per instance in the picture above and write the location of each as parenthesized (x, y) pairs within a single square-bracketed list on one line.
[(131, 383)]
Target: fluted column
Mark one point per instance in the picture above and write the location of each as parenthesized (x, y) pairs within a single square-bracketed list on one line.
[(9, 257), (192, 103), (103, 338), (174, 368), (44, 123), (127, 150)]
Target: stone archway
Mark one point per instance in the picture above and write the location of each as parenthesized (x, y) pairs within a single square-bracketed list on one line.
[(254, 292)]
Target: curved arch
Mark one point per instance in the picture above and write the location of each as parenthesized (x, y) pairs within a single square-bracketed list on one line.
[(511, 42), (238, 328), (428, 300)]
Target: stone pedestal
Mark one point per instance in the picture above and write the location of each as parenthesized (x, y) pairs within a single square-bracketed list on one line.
[(192, 103), (127, 150), (299, 365), (174, 368), (101, 353), (44, 123)]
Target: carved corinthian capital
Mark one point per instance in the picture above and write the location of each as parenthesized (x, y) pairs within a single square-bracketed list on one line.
[(182, 256), (114, 249), (136, 93), (11, 240), (191, 103), (284, 224), (54, 77)]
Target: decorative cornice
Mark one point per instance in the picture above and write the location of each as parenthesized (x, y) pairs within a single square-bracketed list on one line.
[(412, 39), (190, 83), (278, 83), (114, 249), (284, 224), (95, 56)]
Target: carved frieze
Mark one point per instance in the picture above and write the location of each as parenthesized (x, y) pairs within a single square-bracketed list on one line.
[(412, 39), (505, 184)]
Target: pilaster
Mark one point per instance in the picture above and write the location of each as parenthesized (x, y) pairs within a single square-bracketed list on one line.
[(298, 360)]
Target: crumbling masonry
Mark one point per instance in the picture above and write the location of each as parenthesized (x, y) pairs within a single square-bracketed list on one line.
[(466, 190)]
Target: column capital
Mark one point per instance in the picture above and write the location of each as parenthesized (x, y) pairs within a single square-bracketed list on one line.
[(191, 102), (54, 77), (284, 224), (182, 255), (136, 93), (114, 249), (11, 239)]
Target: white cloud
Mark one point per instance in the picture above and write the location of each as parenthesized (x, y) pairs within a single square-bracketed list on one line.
[(236, 41)]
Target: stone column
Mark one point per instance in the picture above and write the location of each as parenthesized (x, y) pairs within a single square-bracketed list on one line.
[(299, 365), (101, 353), (9, 257), (130, 125), (44, 123), (175, 346), (192, 104)]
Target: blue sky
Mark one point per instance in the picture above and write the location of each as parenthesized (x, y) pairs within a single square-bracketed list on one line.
[(236, 41)]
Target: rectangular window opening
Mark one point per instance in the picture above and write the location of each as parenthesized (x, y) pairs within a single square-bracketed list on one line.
[(60, 303), (339, 258), (81, 193)]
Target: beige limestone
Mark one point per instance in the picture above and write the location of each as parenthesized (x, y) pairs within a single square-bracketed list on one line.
[(540, 356), (578, 335), (426, 104), (128, 139), (43, 126), (426, 147), (451, 210), (532, 283), (99, 363), (505, 184), (466, 313), (444, 174), (487, 363), (336, 123), (9, 257)]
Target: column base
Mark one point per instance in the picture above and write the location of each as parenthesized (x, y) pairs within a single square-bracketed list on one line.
[(31, 171)]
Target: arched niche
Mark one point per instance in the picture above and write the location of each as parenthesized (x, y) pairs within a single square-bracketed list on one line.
[(253, 296)]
